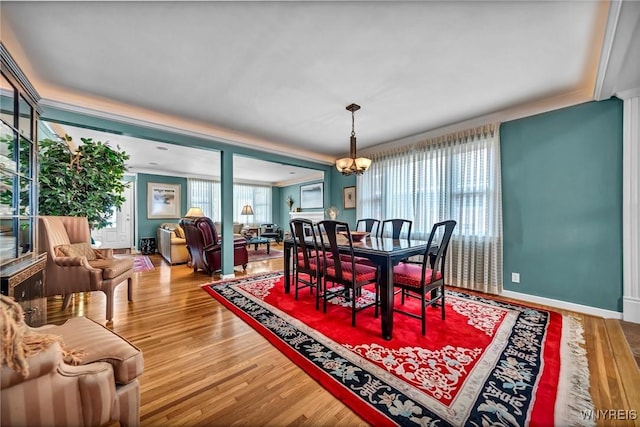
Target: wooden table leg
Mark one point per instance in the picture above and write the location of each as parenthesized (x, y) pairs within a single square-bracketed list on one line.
[(386, 300), (287, 268)]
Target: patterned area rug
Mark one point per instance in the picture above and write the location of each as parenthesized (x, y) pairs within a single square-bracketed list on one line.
[(142, 263), (261, 253), (489, 363)]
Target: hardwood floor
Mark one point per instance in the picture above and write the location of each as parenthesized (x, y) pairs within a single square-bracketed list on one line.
[(205, 366)]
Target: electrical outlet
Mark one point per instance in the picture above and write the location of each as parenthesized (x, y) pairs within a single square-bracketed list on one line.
[(515, 277)]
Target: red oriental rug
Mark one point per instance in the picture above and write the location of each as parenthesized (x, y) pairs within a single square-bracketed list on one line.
[(142, 263), (489, 363)]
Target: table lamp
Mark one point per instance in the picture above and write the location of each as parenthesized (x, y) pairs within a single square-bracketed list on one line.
[(194, 211), (247, 210)]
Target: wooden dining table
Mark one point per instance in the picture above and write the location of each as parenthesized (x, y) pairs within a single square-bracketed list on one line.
[(383, 252)]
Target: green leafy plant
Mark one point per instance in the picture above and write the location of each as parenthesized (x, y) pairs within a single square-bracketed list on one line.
[(83, 182)]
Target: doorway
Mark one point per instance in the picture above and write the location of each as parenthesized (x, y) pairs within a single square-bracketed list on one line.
[(119, 233)]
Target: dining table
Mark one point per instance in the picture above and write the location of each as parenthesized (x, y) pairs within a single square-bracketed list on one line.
[(385, 253)]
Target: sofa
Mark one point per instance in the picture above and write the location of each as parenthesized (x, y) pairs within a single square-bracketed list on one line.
[(76, 374), (239, 230), (172, 243)]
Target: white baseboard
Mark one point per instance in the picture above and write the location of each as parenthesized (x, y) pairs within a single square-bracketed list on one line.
[(631, 309), (593, 311), (227, 276)]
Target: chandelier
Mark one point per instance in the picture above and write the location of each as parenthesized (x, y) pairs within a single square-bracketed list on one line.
[(353, 164)]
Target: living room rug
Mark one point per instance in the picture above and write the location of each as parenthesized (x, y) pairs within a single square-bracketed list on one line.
[(489, 363), (142, 263), (261, 253)]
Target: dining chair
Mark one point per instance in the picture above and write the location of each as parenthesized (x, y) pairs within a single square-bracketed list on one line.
[(397, 227), (369, 225), (418, 280), (341, 268), (306, 257)]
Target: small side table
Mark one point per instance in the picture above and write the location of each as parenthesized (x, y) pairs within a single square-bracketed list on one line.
[(25, 282), (148, 245)]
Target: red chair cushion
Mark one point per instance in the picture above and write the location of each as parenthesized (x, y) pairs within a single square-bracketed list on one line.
[(313, 261), (362, 273), (408, 274)]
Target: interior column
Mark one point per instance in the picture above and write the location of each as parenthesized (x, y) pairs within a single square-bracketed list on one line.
[(631, 206)]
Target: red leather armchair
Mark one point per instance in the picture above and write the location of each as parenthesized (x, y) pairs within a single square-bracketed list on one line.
[(205, 247)]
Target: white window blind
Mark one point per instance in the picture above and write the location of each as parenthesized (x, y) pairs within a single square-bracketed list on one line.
[(206, 195), (452, 177)]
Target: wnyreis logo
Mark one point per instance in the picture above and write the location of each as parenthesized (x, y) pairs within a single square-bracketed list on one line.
[(610, 414)]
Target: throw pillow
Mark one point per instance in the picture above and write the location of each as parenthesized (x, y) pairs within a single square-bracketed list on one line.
[(179, 232), (77, 250)]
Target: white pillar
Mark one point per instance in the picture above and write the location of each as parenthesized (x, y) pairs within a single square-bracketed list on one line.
[(631, 206)]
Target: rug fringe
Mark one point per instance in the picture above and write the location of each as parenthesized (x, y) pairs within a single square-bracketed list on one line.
[(574, 406)]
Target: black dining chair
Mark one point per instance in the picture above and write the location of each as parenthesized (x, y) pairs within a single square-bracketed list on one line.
[(341, 268), (370, 225), (307, 263), (398, 226), (418, 280)]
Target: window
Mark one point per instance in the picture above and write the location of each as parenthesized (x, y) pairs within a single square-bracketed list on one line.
[(205, 194), (259, 197), (431, 184), (453, 177)]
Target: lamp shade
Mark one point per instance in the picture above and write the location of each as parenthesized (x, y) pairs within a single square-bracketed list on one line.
[(194, 211), (247, 210), (353, 163)]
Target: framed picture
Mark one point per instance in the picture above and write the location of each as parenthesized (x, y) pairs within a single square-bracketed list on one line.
[(349, 197), (312, 196), (163, 200)]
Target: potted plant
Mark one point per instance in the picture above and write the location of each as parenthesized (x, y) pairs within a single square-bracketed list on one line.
[(83, 181)]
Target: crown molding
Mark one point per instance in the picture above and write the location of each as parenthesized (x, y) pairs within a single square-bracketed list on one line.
[(574, 97), (16, 71), (628, 94), (603, 84)]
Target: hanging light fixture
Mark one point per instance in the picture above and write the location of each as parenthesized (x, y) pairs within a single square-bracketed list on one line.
[(353, 164)]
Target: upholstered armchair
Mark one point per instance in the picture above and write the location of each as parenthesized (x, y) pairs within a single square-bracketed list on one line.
[(73, 266), (76, 374), (205, 245)]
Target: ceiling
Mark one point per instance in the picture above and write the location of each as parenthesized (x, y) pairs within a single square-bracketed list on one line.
[(277, 76)]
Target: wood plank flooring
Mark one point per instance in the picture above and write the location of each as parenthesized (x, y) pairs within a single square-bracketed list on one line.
[(205, 366)]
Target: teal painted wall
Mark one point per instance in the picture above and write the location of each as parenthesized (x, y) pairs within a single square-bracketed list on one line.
[(148, 227), (333, 184), (562, 204), (294, 192), (338, 182)]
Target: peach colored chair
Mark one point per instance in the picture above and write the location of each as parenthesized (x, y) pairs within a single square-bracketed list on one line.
[(73, 266), (40, 387)]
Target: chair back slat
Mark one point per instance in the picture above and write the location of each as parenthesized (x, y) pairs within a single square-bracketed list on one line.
[(440, 237), (370, 225), (397, 226), (305, 243), (330, 237)]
